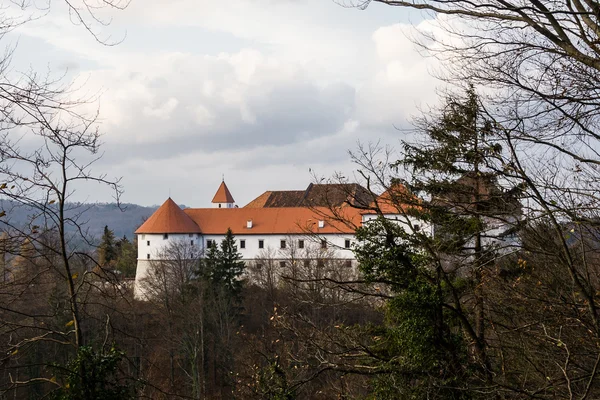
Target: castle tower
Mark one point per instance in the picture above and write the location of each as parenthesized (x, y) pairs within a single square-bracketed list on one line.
[(168, 226), (223, 197)]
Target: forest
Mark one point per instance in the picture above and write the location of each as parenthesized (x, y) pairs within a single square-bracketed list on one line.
[(499, 302)]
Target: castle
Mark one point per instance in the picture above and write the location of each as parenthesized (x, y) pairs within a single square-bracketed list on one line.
[(323, 216), (318, 222)]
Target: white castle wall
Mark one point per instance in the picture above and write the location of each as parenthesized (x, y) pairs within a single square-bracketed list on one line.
[(272, 244), (141, 273), (151, 246)]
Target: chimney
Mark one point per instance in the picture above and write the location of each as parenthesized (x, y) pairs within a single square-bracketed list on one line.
[(321, 224), (249, 224)]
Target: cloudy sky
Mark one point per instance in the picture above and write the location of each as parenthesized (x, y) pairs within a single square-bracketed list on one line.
[(258, 90)]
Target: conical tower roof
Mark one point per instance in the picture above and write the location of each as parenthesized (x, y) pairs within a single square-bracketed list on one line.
[(223, 195), (169, 218)]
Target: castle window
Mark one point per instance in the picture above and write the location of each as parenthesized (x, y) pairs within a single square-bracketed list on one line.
[(209, 243), (282, 244), (148, 243), (300, 244), (166, 236), (219, 205), (347, 243), (191, 235), (148, 256), (261, 244), (242, 244), (323, 244), (281, 264), (348, 264), (191, 242)]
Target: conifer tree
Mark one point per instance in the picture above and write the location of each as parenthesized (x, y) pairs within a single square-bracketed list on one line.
[(221, 270), (435, 319), (454, 171), (126, 257), (107, 251), (223, 266)]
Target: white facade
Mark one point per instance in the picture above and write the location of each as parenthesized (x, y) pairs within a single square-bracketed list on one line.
[(152, 246), (256, 245)]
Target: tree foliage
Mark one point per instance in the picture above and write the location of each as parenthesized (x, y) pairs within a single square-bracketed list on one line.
[(100, 379), (223, 266), (107, 253)]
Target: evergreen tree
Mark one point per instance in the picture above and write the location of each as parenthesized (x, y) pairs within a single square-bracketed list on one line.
[(107, 251), (223, 266), (93, 375), (220, 273), (434, 337), (126, 258), (457, 169)]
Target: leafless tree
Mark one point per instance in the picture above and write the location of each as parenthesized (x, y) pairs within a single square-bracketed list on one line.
[(48, 147)]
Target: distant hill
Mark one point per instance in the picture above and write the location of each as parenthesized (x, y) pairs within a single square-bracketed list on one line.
[(122, 221)]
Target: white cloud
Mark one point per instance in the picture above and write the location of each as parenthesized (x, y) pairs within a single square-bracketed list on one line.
[(202, 115), (393, 42), (300, 83), (163, 111)]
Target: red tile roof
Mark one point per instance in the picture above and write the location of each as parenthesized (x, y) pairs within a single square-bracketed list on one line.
[(270, 219), (223, 195), (287, 220), (260, 201), (315, 195), (169, 218)]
